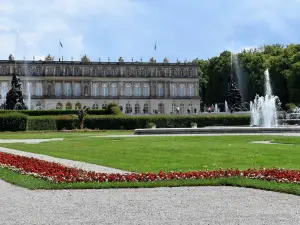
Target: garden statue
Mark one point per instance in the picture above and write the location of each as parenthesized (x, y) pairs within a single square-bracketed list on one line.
[(14, 97), (81, 113)]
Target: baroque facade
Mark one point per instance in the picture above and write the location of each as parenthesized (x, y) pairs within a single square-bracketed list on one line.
[(137, 87)]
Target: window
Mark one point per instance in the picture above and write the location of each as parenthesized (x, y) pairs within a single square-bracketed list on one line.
[(68, 89), (77, 105), (182, 90), (173, 90), (113, 72), (39, 89), (137, 90), (77, 90), (104, 89), (161, 108), (104, 71), (29, 70), (137, 72), (160, 90), (146, 91), (137, 108), (68, 106), (146, 108), (57, 89), (76, 71), (57, 71), (127, 72), (95, 106), (59, 105), (191, 90), (66, 71), (38, 71), (181, 73), (95, 89), (128, 89), (93, 71), (128, 108), (190, 73), (181, 108), (114, 89), (172, 72)]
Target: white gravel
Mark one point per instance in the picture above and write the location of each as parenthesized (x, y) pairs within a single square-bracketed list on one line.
[(66, 162), (28, 141), (181, 205)]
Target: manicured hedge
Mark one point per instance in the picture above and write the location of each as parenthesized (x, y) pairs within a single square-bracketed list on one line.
[(41, 123), (13, 122), (109, 122)]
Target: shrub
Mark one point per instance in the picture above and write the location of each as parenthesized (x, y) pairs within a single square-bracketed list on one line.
[(53, 112), (290, 106), (13, 121), (41, 123), (66, 122)]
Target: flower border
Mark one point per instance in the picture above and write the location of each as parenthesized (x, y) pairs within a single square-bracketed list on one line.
[(58, 173)]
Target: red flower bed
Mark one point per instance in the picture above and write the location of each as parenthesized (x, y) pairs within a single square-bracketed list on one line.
[(58, 173)]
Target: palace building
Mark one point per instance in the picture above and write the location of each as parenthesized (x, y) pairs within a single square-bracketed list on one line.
[(137, 87)]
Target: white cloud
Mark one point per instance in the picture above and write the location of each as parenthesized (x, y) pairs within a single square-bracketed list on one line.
[(42, 23)]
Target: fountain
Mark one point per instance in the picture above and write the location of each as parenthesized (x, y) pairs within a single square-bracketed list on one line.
[(28, 96), (226, 107), (263, 108)]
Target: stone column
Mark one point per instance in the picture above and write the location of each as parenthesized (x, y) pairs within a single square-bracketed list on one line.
[(72, 88), (63, 88), (90, 88), (82, 88), (166, 89)]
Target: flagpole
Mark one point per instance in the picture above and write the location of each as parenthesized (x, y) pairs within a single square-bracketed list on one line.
[(59, 49)]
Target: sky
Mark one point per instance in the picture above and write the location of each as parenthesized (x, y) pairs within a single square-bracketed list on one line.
[(181, 29)]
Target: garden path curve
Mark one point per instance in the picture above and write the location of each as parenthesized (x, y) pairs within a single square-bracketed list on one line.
[(180, 205)]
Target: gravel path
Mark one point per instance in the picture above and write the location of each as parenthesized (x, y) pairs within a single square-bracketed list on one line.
[(66, 162), (182, 205)]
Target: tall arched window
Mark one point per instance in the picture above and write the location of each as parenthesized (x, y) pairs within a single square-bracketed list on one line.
[(114, 89), (95, 89), (146, 90), (160, 90), (59, 105), (137, 90), (137, 108), (104, 89), (68, 89), (161, 108), (128, 89), (39, 89), (128, 108), (77, 89), (49, 90), (191, 90), (57, 89), (68, 105), (146, 108), (181, 108), (77, 105), (173, 90), (182, 90)]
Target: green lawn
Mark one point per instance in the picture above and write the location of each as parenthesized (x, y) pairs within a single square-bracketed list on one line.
[(152, 154)]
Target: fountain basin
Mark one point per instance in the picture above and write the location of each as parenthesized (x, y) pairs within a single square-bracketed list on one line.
[(218, 130)]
